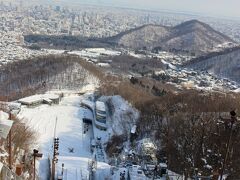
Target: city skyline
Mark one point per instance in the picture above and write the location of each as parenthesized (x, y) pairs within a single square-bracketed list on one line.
[(216, 8), (221, 8)]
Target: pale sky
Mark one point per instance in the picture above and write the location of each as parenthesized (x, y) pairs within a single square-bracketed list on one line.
[(227, 8)]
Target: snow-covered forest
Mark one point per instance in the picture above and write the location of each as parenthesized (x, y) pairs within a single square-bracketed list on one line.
[(189, 128), (40, 74)]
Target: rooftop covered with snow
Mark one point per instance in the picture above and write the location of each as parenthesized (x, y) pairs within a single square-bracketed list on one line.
[(100, 106), (38, 99)]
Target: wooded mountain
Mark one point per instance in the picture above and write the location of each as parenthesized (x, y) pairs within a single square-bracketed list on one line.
[(225, 64), (192, 36)]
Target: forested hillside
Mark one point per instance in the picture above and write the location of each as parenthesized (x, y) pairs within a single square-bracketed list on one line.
[(40, 74), (225, 64), (189, 128), (191, 36)]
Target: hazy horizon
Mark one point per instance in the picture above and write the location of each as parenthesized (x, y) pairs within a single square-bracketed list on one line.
[(224, 8), (220, 8)]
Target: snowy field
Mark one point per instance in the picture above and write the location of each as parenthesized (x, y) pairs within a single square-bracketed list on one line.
[(69, 128), (74, 140)]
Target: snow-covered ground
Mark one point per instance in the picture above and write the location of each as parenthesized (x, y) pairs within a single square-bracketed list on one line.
[(122, 116), (95, 52), (69, 129), (74, 140)]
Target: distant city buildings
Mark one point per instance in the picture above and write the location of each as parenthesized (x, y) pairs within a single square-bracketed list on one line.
[(17, 19)]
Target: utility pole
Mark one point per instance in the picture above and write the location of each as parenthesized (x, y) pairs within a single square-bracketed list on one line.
[(55, 154), (55, 142), (62, 168), (34, 165), (35, 154), (233, 120), (10, 144)]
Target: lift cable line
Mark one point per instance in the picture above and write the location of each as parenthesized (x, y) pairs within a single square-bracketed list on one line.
[(232, 121)]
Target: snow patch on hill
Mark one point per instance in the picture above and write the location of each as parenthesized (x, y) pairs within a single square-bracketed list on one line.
[(122, 115)]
